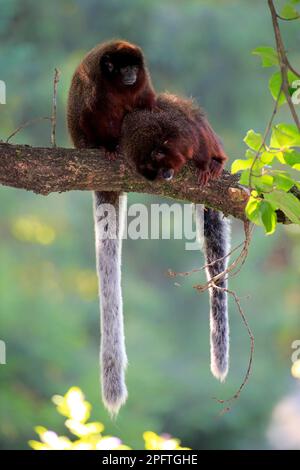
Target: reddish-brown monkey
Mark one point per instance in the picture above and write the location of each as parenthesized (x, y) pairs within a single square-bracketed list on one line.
[(162, 141), (111, 81)]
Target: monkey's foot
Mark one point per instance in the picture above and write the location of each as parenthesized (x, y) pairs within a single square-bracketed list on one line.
[(204, 177), (215, 169), (111, 156)]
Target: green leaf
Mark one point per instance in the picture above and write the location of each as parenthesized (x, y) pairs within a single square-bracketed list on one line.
[(267, 54), (239, 165), (262, 183), (252, 210), (292, 158), (267, 157), (275, 85), (289, 12), (250, 162), (280, 157), (266, 181), (258, 164), (253, 140), (250, 154), (287, 203), (258, 181), (285, 135), (268, 217), (244, 179), (283, 181)]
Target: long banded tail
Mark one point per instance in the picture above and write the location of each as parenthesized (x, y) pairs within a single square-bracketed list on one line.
[(109, 211), (214, 230)]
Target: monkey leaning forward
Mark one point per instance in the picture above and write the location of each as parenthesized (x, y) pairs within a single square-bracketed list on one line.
[(160, 142)]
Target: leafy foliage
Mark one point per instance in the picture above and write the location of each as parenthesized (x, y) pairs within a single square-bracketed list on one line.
[(289, 12), (268, 164), (89, 435)]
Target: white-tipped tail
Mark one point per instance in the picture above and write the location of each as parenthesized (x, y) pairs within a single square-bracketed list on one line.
[(109, 211), (214, 232)]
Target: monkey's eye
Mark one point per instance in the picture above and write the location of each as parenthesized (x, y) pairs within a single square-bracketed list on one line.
[(157, 155), (109, 66)]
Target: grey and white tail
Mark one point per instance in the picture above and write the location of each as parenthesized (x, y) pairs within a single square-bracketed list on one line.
[(109, 212), (214, 232)]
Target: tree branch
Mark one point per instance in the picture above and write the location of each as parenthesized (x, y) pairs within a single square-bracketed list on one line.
[(45, 170)]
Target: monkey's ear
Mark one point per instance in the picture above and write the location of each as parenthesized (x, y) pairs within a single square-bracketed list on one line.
[(107, 63)]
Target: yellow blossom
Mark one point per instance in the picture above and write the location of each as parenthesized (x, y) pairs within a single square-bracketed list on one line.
[(74, 406)]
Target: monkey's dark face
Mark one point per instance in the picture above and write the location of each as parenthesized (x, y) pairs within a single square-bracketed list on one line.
[(162, 163), (123, 68)]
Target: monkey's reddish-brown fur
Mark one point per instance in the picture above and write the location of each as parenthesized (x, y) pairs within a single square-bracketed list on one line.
[(167, 137), (97, 105)]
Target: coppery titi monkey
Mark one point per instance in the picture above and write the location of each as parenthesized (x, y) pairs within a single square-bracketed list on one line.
[(160, 142), (111, 81)]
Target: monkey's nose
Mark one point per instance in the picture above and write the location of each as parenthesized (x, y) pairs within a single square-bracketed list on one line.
[(167, 174), (129, 75)]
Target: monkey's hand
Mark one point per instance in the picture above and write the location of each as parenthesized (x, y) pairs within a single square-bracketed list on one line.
[(204, 177), (112, 155), (215, 168)]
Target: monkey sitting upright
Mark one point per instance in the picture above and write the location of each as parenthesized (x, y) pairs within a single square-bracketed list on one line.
[(160, 142), (111, 81)]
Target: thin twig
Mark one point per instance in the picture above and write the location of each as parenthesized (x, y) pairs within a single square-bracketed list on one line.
[(26, 124), (266, 133), (237, 394), (236, 264), (172, 273), (287, 19), (248, 228), (54, 107), (212, 284), (239, 261), (283, 62), (292, 69)]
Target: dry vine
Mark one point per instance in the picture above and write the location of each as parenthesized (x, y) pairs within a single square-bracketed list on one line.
[(54, 106), (230, 271)]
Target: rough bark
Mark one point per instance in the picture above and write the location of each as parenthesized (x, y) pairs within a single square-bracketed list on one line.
[(47, 170)]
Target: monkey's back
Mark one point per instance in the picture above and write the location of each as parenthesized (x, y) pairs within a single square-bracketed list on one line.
[(172, 118)]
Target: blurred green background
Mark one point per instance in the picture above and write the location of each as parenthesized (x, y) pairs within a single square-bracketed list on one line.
[(48, 299)]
